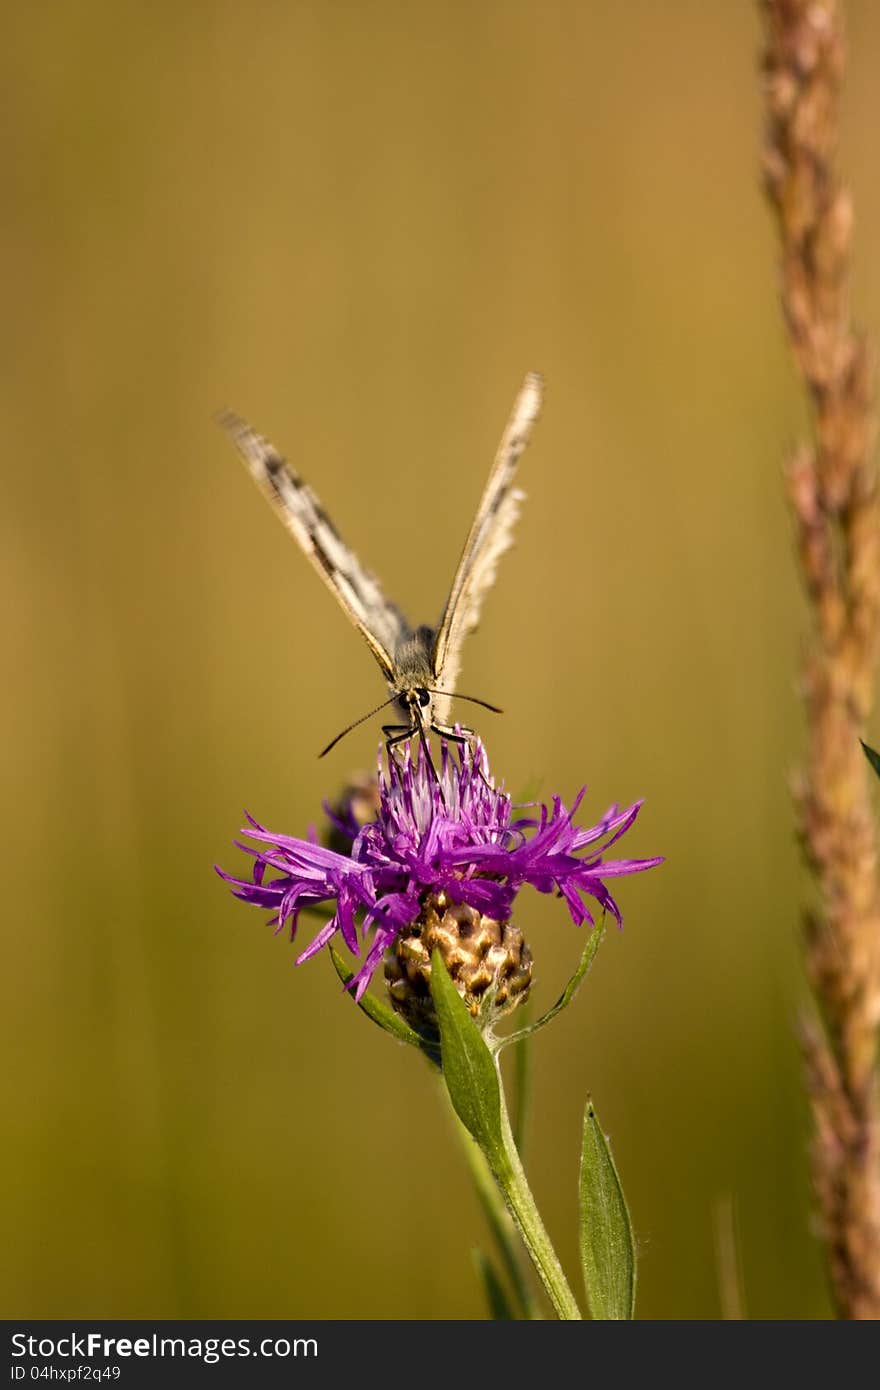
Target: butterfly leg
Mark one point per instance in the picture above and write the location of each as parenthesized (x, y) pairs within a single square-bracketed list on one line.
[(401, 733), (466, 736), (397, 733)]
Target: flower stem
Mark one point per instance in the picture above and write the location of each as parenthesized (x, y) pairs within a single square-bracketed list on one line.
[(499, 1220), (511, 1178)]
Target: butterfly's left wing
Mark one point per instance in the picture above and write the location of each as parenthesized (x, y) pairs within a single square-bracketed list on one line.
[(358, 592), (490, 535)]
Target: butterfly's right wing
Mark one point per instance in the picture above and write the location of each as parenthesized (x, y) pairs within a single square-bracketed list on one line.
[(490, 535), (358, 591)]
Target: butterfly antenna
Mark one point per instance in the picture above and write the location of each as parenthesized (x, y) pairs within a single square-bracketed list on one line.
[(471, 699), (363, 719)]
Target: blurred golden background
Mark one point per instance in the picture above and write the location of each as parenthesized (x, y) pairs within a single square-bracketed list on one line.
[(359, 225)]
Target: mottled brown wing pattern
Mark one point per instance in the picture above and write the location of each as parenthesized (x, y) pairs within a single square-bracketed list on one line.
[(358, 591), (490, 536)]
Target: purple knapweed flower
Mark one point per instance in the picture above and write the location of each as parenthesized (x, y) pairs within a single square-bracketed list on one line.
[(449, 838)]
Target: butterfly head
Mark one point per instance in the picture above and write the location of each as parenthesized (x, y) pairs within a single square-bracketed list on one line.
[(414, 704)]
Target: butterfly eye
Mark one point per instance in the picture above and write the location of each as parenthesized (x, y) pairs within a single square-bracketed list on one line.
[(424, 698)]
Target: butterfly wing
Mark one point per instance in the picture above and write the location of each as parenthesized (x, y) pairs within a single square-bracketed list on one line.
[(358, 591), (490, 535)]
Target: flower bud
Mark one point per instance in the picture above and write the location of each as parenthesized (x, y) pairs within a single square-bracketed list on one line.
[(488, 962)]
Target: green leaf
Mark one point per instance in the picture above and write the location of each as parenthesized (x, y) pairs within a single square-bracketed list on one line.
[(872, 755), (499, 1305), (468, 1066), (474, 1089), (383, 1014), (608, 1250), (594, 940)]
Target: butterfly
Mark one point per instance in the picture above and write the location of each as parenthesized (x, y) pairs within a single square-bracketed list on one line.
[(421, 664)]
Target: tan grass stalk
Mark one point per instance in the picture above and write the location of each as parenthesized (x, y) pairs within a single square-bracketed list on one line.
[(832, 488)]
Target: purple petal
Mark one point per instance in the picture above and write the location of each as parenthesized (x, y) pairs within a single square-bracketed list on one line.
[(457, 836)]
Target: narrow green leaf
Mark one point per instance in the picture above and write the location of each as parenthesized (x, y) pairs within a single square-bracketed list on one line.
[(872, 755), (499, 1305), (594, 940), (468, 1067), (383, 1014), (608, 1250), (474, 1090)]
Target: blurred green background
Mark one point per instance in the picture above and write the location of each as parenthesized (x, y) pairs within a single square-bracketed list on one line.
[(359, 225)]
